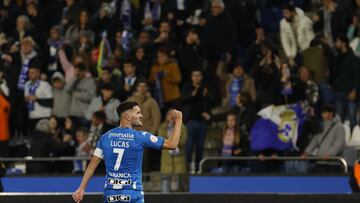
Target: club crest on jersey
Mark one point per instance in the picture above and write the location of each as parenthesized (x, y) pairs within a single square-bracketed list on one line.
[(153, 138)]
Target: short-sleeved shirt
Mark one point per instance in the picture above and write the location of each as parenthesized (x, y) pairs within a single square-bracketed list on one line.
[(122, 150)]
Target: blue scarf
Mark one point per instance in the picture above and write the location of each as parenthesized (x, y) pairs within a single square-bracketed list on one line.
[(32, 90), (23, 76), (158, 93), (234, 89)]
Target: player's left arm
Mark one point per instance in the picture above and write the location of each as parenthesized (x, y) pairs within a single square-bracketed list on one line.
[(79, 193), (173, 141)]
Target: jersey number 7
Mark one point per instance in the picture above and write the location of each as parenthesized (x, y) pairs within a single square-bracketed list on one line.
[(120, 153)]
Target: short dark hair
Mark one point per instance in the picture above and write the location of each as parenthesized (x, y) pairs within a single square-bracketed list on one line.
[(328, 108), (125, 106), (100, 115), (141, 80), (344, 39), (289, 7), (35, 64), (197, 70), (83, 130), (107, 86)]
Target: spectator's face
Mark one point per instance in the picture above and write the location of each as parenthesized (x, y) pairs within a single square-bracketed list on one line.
[(327, 3), (20, 24), (79, 73), (118, 37), (32, 10), (83, 39), (26, 48), (58, 84), (326, 116), (216, 9), (196, 77), (142, 88), (107, 94), (339, 44), (143, 38), (287, 15), (105, 76), (54, 35), (304, 74), (238, 71), (69, 2), (53, 123), (83, 17), (231, 121), (34, 74), (164, 27), (81, 136), (68, 123), (162, 58), (140, 53), (129, 69)]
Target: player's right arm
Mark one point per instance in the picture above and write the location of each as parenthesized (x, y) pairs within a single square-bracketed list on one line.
[(173, 141), (79, 193)]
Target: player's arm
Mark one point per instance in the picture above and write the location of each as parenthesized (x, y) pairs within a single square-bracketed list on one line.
[(79, 193), (173, 141)]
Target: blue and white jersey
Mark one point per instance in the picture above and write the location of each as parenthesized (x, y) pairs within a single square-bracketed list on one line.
[(122, 150)]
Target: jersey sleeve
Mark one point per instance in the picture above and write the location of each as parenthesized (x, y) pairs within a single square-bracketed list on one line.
[(150, 140), (99, 149)]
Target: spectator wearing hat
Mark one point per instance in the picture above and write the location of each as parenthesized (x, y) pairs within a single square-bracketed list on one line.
[(82, 90), (237, 81), (62, 98), (38, 95), (106, 103)]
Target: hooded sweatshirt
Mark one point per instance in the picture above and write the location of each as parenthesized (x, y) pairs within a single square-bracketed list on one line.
[(62, 98)]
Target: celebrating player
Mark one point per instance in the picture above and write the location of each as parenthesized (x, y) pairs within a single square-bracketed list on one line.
[(122, 150)]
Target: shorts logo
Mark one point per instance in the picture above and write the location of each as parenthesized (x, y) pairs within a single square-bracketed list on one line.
[(116, 198), (153, 138)]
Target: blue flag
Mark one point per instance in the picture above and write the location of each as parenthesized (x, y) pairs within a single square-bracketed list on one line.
[(278, 128)]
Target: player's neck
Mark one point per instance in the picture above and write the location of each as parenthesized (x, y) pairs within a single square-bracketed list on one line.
[(124, 124)]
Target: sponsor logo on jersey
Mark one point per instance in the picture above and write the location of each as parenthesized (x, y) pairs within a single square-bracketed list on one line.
[(116, 198), (114, 181), (124, 136), (120, 175), (153, 138)]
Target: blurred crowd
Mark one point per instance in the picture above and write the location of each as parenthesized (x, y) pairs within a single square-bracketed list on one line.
[(66, 64)]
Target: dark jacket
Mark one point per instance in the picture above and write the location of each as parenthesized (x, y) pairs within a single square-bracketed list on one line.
[(194, 106), (345, 72), (338, 23), (219, 36)]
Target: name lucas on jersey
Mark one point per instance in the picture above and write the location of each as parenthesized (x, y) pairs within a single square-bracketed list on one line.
[(115, 143)]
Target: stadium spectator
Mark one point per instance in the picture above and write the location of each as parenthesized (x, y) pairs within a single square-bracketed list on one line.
[(267, 77), (236, 81), (196, 108), (331, 21), (70, 10), (38, 95), (82, 91), (220, 37), (128, 80), (173, 161), (296, 32), (353, 33), (70, 127), (84, 149), (234, 143), (105, 102), (141, 62), (305, 89), (62, 98), (331, 141), (98, 127), (107, 76), (344, 81), (189, 54), (166, 77), (4, 117), (81, 24)]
